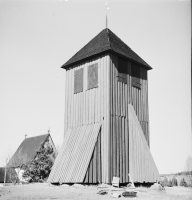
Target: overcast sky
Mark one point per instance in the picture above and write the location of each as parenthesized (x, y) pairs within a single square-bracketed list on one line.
[(37, 37)]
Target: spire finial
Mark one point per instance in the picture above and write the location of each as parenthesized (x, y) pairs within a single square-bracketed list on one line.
[(107, 8), (48, 131)]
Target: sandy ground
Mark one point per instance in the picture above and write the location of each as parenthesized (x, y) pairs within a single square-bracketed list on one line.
[(47, 191)]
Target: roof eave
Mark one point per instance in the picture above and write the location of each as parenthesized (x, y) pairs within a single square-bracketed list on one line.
[(148, 67), (66, 66)]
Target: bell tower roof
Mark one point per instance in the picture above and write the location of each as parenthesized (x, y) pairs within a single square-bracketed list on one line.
[(105, 41)]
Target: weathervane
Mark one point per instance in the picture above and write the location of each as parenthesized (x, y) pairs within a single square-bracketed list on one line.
[(107, 8)]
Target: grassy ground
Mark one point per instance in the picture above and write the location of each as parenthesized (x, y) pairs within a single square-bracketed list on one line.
[(48, 192)]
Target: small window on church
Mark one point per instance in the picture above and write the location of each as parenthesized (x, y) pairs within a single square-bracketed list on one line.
[(136, 78), (122, 70), (92, 76), (78, 81)]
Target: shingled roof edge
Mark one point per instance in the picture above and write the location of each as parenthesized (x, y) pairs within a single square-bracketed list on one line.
[(99, 45), (95, 55)]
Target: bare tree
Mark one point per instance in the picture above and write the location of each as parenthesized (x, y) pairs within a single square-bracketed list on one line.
[(189, 164), (189, 169), (15, 164), (10, 173)]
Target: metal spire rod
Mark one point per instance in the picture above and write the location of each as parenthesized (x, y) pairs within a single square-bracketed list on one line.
[(107, 8)]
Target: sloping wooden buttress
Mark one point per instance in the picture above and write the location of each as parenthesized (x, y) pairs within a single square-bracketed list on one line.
[(74, 156)]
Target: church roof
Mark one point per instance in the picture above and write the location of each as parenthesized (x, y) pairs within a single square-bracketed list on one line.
[(105, 41), (27, 150)]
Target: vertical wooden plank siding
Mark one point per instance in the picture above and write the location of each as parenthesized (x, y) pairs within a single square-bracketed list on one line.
[(89, 107), (66, 105), (109, 137), (141, 159), (108, 104), (121, 94)]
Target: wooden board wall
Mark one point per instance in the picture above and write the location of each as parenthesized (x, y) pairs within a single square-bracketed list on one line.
[(107, 104), (141, 164), (122, 94), (90, 106), (94, 170)]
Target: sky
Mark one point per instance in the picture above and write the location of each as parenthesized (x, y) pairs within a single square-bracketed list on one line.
[(37, 37)]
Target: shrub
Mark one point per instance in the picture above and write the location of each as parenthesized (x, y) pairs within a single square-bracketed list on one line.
[(190, 182), (183, 183), (170, 183), (165, 182), (40, 167), (174, 181)]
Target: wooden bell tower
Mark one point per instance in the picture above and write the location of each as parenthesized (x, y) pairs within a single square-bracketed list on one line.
[(106, 116)]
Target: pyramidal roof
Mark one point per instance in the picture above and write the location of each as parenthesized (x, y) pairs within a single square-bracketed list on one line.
[(105, 41)]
